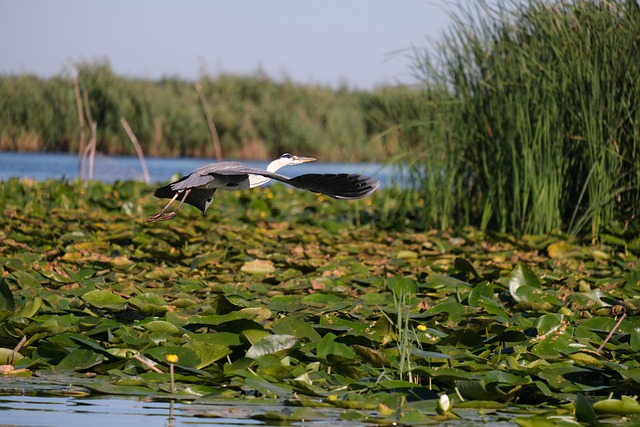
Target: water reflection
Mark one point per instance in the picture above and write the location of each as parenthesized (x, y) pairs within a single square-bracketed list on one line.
[(109, 411)]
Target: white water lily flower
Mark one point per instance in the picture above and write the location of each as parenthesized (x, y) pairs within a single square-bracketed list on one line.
[(444, 404)]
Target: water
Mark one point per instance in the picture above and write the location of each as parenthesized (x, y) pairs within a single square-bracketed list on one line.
[(110, 411), (44, 166), (114, 411)]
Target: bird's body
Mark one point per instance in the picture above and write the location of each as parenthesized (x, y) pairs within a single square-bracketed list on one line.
[(198, 188)]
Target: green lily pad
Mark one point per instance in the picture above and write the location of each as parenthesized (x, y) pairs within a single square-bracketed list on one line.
[(624, 406), (79, 360), (162, 326), (271, 344), (186, 356), (328, 346), (6, 296), (295, 326), (258, 267), (104, 299)]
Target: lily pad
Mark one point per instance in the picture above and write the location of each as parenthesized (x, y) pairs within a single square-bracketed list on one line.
[(104, 299), (258, 267)]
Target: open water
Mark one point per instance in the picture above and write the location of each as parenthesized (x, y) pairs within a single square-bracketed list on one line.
[(123, 411), (43, 166)]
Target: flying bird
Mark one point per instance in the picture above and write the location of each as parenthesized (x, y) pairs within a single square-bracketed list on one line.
[(197, 188)]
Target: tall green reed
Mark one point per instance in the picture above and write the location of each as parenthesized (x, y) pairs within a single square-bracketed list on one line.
[(545, 115), (431, 167), (404, 291)]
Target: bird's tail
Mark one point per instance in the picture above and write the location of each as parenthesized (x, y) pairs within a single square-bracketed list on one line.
[(339, 186)]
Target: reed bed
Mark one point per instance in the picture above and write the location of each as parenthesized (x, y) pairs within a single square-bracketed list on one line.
[(541, 130)]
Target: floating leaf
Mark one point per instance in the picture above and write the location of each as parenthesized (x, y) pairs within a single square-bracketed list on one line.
[(79, 360), (326, 301), (254, 335), (584, 411), (295, 326), (522, 278), (25, 279), (624, 406), (555, 334), (208, 353), (328, 346), (104, 299), (440, 281), (6, 297), (149, 304), (186, 356), (258, 267), (9, 357), (267, 388), (271, 344), (547, 421), (162, 326)]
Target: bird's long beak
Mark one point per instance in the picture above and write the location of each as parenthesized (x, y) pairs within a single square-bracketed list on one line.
[(302, 159)]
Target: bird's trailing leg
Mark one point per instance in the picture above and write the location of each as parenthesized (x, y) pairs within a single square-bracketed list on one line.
[(163, 215)]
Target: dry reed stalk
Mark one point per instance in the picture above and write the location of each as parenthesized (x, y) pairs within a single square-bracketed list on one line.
[(138, 148), (90, 149), (147, 363), (212, 126), (76, 87), (17, 348), (615, 328)]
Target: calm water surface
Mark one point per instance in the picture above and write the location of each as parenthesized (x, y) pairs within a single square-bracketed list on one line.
[(118, 411), (119, 168)]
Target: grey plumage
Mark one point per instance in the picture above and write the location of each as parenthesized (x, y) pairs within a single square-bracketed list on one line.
[(198, 188)]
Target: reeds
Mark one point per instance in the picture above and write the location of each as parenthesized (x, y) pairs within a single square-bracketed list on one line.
[(255, 117), (543, 117)]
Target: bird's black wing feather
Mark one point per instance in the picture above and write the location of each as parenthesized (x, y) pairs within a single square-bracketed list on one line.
[(339, 186)]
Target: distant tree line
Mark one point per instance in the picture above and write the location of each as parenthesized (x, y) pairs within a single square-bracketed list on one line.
[(255, 116)]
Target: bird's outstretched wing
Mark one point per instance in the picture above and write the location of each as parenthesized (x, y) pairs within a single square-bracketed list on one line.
[(339, 186)]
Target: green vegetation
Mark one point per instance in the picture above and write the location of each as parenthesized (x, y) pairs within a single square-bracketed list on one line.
[(541, 130), (255, 117), (528, 120), (528, 123), (284, 297)]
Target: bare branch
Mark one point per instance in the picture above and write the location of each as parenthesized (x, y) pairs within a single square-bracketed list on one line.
[(17, 348), (138, 148), (147, 363), (615, 328), (212, 126), (76, 87), (91, 147)]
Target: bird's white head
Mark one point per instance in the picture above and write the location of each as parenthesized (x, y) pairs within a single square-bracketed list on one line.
[(288, 159)]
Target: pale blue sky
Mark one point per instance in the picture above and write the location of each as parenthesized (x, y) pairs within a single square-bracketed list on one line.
[(326, 42)]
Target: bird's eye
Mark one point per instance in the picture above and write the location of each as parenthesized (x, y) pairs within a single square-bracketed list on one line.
[(286, 156)]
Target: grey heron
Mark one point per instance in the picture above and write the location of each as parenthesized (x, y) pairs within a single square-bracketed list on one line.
[(197, 188)]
